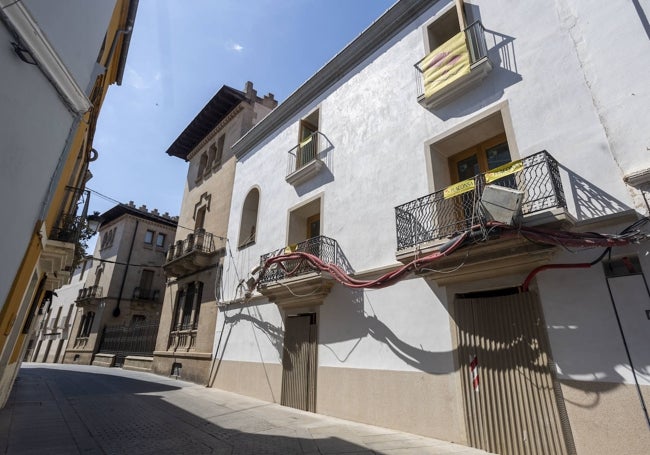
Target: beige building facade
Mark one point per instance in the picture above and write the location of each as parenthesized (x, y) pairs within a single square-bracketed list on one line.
[(194, 263), (126, 284)]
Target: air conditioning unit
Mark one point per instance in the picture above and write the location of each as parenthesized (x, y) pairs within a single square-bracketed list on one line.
[(501, 204)]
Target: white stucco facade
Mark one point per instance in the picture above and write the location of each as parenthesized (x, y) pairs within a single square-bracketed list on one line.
[(560, 82), (37, 121)]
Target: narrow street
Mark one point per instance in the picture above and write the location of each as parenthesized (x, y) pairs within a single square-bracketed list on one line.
[(70, 409)]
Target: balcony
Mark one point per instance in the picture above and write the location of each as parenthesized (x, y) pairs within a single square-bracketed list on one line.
[(453, 67), (89, 294), (196, 252), (424, 224), (150, 295), (297, 283), (305, 159)]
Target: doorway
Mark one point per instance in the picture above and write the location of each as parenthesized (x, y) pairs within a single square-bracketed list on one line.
[(509, 391), (299, 362)]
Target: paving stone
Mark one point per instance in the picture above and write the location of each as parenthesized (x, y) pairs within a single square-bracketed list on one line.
[(92, 410)]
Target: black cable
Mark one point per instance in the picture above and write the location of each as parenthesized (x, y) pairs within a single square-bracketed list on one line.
[(627, 352), (108, 198)]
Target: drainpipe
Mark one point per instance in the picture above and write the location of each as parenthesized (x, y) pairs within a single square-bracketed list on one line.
[(116, 311)]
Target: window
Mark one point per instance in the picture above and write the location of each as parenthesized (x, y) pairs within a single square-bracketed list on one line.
[(307, 140), (160, 240), (146, 280), (212, 152), (305, 221), (107, 239), (479, 158), (148, 237), (460, 156), (219, 156), (445, 27), (199, 222), (202, 164), (86, 324), (247, 228), (188, 305)]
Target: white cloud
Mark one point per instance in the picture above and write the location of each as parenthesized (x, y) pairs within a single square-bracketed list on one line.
[(135, 80), (235, 47)]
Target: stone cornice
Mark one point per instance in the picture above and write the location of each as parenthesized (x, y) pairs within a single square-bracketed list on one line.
[(220, 126), (375, 36)]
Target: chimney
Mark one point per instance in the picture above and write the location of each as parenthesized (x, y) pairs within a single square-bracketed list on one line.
[(131, 204), (269, 101), (155, 212), (143, 208), (251, 93)]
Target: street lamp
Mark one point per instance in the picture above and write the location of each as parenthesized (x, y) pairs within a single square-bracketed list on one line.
[(93, 222)]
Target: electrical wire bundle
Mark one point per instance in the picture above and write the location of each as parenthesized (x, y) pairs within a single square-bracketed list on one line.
[(631, 234)]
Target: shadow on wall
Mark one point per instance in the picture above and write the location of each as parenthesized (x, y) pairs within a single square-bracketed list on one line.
[(501, 52), (591, 201)]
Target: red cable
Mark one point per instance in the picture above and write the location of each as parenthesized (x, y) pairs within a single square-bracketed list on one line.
[(535, 271), (563, 238)]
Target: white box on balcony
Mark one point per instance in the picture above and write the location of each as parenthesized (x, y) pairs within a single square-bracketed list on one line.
[(501, 203)]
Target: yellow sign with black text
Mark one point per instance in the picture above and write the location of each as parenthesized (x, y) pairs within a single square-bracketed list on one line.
[(503, 171), (458, 188)]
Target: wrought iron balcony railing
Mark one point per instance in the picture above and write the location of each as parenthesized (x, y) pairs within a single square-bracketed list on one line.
[(325, 248), (445, 213), (90, 292), (306, 151), (197, 241), (451, 61), (140, 293), (67, 229)]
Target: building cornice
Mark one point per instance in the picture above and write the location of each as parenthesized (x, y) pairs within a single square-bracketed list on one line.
[(220, 126), (32, 37), (381, 31)]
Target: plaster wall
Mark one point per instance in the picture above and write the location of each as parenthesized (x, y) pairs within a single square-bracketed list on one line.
[(612, 46), (250, 333), (585, 338), (376, 161), (33, 131), (76, 39)]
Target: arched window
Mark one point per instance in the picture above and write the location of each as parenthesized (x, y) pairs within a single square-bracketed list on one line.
[(248, 226)]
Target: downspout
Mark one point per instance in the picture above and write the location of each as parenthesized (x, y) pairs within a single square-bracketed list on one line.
[(116, 311)]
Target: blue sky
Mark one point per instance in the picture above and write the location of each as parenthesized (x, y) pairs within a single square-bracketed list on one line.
[(181, 53)]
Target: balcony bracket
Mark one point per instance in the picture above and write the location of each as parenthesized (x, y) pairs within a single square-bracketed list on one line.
[(304, 290), (492, 259)]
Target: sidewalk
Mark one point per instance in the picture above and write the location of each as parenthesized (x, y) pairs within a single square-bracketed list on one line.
[(71, 409)]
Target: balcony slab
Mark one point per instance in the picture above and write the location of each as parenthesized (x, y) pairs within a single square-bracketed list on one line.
[(304, 290)]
